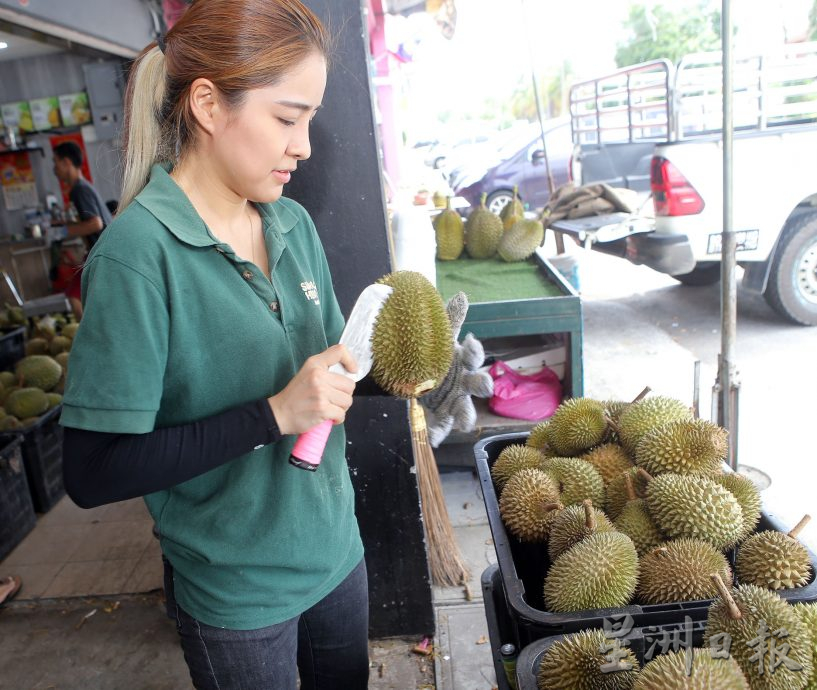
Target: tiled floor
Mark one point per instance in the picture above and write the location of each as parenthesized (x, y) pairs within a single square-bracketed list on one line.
[(76, 552)]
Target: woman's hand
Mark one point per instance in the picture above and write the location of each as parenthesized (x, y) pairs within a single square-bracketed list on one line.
[(315, 394)]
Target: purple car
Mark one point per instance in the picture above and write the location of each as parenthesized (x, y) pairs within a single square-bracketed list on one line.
[(521, 162)]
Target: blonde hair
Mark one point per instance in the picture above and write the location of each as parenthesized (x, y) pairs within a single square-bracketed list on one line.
[(238, 44)]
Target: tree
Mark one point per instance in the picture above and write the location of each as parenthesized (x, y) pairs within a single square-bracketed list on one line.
[(551, 92), (657, 33)]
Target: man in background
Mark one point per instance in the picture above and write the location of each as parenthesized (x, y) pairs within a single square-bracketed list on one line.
[(91, 218)]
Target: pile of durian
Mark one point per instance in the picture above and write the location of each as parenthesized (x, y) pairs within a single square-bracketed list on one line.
[(633, 505), (509, 235)]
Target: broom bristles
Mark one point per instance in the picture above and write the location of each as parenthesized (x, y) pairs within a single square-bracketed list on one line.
[(445, 560)]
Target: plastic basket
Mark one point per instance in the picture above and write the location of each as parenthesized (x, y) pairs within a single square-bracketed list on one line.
[(500, 627), (12, 347), (645, 643), (42, 457), (523, 568), (17, 516)]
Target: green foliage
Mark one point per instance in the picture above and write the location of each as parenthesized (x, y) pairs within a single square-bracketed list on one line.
[(658, 32), (552, 92)]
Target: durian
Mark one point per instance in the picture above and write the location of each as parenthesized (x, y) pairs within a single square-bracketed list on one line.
[(578, 480), (807, 613), (635, 521), (412, 342), (610, 460), (681, 570), (482, 232), (512, 459), (751, 615), (40, 371), (578, 662), (668, 671), (537, 438), (617, 494), (518, 243), (695, 507), (613, 410), (643, 416), (449, 230), (26, 402), (512, 211), (528, 503), (747, 495), (600, 571), (37, 346), (573, 524), (774, 560), (694, 446), (575, 426)]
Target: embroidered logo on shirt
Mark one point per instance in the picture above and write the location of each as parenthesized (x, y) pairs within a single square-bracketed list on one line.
[(310, 291)]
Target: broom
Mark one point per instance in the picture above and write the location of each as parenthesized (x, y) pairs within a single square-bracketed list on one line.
[(447, 566)]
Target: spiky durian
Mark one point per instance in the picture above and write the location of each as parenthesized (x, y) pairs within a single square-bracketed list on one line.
[(613, 410), (743, 614), (617, 494), (576, 425), (807, 613), (528, 504), (573, 524), (681, 570), (449, 230), (578, 480), (513, 458), (694, 446), (635, 521), (669, 671), (412, 343), (643, 416), (578, 662), (537, 438), (747, 495), (518, 243), (512, 211), (773, 560), (600, 571), (482, 232), (695, 507), (610, 460)]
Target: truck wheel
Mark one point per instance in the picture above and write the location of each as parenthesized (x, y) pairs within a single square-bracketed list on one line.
[(792, 288), (704, 273)]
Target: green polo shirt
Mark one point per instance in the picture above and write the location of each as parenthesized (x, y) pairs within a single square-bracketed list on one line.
[(177, 328)]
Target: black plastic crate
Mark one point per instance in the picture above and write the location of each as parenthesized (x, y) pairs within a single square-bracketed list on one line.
[(500, 626), (12, 347), (42, 457), (646, 643), (523, 567), (17, 516)]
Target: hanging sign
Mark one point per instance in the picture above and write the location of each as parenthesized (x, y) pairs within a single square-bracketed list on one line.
[(17, 181)]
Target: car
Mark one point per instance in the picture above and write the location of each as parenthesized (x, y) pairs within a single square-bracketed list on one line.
[(522, 164)]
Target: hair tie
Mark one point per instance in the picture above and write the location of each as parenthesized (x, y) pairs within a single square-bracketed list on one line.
[(160, 41)]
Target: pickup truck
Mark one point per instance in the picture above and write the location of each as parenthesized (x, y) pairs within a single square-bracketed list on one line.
[(656, 128)]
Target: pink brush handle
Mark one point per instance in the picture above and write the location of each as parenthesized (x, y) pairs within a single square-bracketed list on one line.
[(308, 449)]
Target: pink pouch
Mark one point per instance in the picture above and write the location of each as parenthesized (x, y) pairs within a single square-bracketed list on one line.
[(524, 396)]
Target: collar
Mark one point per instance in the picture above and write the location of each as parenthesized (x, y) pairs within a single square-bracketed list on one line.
[(166, 201)]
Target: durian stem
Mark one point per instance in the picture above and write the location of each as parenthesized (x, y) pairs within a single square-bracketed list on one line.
[(611, 423), (628, 485), (589, 515), (448, 203), (644, 474), (726, 595), (482, 199), (642, 394), (552, 506), (799, 526)]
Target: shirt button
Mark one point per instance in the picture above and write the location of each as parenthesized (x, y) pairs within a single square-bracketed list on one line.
[(273, 306), (219, 250), (247, 275)]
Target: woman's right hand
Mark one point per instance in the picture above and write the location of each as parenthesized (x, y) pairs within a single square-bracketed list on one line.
[(315, 394)]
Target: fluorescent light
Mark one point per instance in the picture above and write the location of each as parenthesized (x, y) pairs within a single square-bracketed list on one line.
[(3, 45)]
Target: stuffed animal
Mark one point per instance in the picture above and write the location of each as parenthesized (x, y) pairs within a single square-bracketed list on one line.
[(450, 404)]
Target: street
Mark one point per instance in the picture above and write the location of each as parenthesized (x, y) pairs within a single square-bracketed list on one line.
[(644, 328)]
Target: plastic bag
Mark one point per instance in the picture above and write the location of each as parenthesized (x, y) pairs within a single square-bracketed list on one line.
[(524, 396)]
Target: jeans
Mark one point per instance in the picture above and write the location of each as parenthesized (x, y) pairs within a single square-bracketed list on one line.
[(327, 645)]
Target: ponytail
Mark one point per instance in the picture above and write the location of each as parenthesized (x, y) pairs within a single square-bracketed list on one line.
[(143, 132)]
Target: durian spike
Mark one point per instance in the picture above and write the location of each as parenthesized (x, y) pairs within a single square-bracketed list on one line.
[(726, 595), (628, 485), (646, 475), (799, 526), (589, 515)]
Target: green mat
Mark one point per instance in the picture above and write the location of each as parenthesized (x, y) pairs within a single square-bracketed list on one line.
[(493, 280)]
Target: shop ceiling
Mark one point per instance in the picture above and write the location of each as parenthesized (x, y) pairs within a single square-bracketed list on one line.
[(18, 47)]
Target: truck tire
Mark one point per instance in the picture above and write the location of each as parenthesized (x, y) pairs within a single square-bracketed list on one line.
[(792, 288), (498, 200), (704, 273)]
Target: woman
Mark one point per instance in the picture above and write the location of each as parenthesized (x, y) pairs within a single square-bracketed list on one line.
[(205, 347)]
